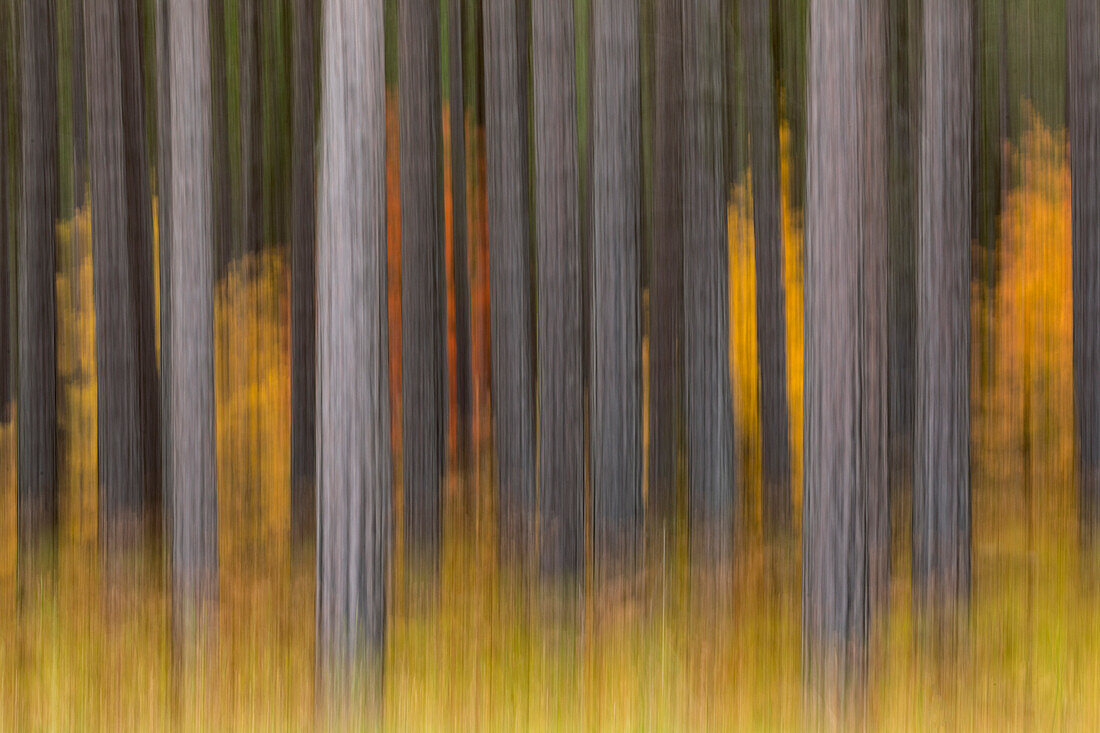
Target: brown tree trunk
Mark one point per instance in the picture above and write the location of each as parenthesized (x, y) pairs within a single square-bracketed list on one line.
[(354, 473)]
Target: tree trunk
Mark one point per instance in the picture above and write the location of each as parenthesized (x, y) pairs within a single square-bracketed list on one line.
[(37, 461), (463, 370), (1083, 121), (223, 206), (666, 268), (712, 479), (251, 128), (121, 497), (941, 510), (139, 211), (793, 23), (509, 279), (303, 277), (616, 278), (5, 235), (80, 134), (561, 407), (771, 312), (353, 442), (189, 441)]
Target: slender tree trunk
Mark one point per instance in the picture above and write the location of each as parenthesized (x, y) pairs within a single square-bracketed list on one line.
[(354, 473), (423, 314), (793, 26), (463, 371), (941, 511), (302, 272), (189, 440), (714, 492), (509, 280), (666, 268), (771, 312), (251, 222), (1083, 121), (120, 466), (139, 211), (223, 206), (616, 279), (37, 462), (561, 406), (80, 134), (5, 235)]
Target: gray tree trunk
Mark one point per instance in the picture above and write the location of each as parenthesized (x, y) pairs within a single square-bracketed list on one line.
[(5, 235), (561, 406), (666, 267), (463, 371), (423, 304), (844, 497), (941, 509), (1083, 121), (616, 368), (121, 495), (509, 280), (249, 19), (771, 312), (139, 217), (303, 350), (714, 492), (80, 130), (37, 461), (189, 436), (354, 474)]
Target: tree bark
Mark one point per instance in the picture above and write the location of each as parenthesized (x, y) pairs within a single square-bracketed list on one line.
[(941, 511), (713, 493), (223, 205), (1083, 121), (423, 314), (189, 441), (666, 267), (80, 130), (5, 235), (303, 276), (771, 312), (512, 365), (251, 223), (37, 462), (561, 407), (353, 441), (616, 279)]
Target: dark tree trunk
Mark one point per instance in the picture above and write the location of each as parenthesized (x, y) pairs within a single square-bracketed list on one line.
[(37, 461), (792, 24), (189, 473), (844, 515), (80, 135), (423, 314), (616, 368), (249, 19), (354, 472), (1083, 121), (771, 312), (463, 370), (5, 234), (509, 279), (121, 496), (223, 206), (139, 221), (561, 406), (666, 268), (941, 509), (714, 490), (303, 352)]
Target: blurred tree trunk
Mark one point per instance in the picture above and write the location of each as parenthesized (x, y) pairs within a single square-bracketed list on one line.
[(771, 311), (616, 279), (303, 277), (666, 269), (792, 28), (37, 461), (80, 137), (941, 519), (1083, 88), (714, 490), (5, 234), (561, 399), (512, 366), (139, 229), (223, 206), (423, 305), (460, 264), (121, 490), (249, 19), (354, 461), (190, 478)]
